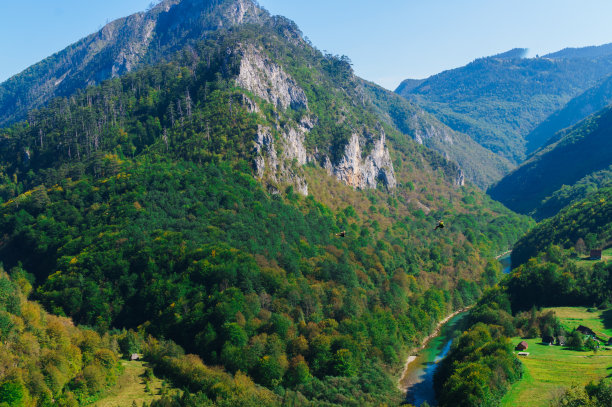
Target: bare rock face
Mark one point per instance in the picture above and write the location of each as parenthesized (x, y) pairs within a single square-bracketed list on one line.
[(459, 180), (269, 81), (280, 169), (265, 151), (365, 173)]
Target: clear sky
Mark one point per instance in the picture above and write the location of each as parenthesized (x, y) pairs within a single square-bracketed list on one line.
[(387, 40)]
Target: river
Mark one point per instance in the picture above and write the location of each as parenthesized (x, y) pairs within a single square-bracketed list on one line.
[(418, 377), (506, 263)]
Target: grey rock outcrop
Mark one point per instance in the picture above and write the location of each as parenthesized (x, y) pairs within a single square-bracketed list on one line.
[(269, 81), (366, 173)]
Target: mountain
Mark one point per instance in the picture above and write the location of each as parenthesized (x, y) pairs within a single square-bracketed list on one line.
[(583, 105), (575, 164), (201, 199), (119, 47), (499, 100)]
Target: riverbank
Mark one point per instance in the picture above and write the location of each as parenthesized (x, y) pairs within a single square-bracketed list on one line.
[(404, 383), (503, 254)]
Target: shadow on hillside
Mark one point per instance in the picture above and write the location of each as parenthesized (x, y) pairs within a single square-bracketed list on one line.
[(607, 318)]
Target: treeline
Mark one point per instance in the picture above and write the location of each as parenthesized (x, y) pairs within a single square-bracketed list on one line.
[(553, 279), (480, 367)]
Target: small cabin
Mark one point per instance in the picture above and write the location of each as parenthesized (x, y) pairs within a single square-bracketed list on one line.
[(585, 330), (561, 340), (548, 340), (595, 254), (134, 356), (522, 346)]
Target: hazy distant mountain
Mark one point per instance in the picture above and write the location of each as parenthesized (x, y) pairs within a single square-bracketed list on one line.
[(408, 84), (120, 47), (583, 52), (515, 53), (570, 168), (583, 105), (499, 100)]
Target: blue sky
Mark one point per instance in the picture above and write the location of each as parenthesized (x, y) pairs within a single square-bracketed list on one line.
[(387, 40)]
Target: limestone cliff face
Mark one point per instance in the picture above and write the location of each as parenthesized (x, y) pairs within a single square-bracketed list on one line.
[(365, 173), (267, 80)]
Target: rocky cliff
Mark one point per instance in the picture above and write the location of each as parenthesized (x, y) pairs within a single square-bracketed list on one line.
[(269, 81)]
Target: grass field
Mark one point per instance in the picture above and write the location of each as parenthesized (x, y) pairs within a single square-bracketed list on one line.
[(549, 368), (599, 321), (130, 387), (606, 255)]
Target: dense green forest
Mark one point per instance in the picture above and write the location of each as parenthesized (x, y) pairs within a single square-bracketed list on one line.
[(45, 360), (572, 166)]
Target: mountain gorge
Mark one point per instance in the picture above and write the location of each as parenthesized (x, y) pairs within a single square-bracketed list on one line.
[(199, 195)]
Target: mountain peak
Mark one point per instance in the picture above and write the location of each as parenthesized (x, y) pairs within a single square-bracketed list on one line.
[(120, 47)]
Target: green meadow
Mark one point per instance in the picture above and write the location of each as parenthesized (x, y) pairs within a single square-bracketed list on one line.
[(548, 369), (132, 387)]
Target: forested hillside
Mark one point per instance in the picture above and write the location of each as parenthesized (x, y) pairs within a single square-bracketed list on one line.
[(498, 101), (192, 202), (119, 47), (588, 220), (45, 359), (563, 172)]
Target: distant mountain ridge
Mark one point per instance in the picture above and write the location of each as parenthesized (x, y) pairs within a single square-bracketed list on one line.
[(499, 100), (583, 105), (595, 51)]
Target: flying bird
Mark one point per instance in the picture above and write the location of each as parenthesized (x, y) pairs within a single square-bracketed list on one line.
[(341, 234), (440, 225)]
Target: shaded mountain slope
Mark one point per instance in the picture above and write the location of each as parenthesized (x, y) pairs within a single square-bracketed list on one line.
[(583, 105), (563, 171), (479, 165), (588, 219)]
